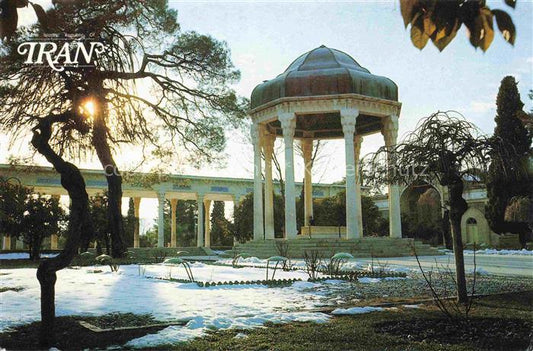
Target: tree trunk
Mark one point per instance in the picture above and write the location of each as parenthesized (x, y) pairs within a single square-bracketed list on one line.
[(447, 236), (73, 182), (113, 177), (458, 207), (35, 248)]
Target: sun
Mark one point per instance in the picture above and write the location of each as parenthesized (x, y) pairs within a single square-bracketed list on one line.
[(88, 108)]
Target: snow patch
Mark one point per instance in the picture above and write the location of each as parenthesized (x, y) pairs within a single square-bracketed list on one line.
[(356, 310)]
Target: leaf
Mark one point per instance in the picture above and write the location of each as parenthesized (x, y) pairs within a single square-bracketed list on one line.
[(505, 25), (408, 9), (511, 3), (445, 36), (480, 29), (429, 25), (418, 37), (41, 15)]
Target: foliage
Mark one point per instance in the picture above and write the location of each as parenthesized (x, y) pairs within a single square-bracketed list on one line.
[(31, 217), (12, 206), (243, 220), (331, 211), (441, 20), (100, 222), (221, 234), (41, 218), (130, 222), (512, 180)]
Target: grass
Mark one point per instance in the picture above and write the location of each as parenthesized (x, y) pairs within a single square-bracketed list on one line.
[(359, 332)]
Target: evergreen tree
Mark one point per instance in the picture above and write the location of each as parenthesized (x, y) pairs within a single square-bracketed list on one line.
[(220, 226), (40, 220), (129, 223), (502, 186)]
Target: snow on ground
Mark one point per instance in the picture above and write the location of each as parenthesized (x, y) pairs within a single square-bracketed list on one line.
[(133, 289), (21, 255), (356, 310), (499, 252)]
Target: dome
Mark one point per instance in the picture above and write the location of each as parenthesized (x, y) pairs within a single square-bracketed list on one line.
[(324, 71)]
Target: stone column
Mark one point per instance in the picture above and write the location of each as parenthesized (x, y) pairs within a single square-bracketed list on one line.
[(173, 237), (207, 225), (307, 151), (161, 220), (136, 230), (348, 120), (268, 149), (390, 134), (288, 124), (236, 201), (358, 140), (53, 237), (200, 221), (258, 184), (6, 245)]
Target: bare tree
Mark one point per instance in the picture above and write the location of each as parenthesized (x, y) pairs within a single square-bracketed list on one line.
[(444, 147)]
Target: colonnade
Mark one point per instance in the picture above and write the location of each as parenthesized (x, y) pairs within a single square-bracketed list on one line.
[(263, 141)]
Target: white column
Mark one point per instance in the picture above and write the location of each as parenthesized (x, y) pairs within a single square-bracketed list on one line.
[(268, 149), (348, 119), (6, 245), (288, 124), (161, 220), (207, 225), (136, 208), (359, 207), (173, 236), (258, 184), (307, 151), (390, 134), (200, 221)]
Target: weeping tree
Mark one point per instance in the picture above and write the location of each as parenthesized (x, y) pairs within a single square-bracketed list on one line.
[(444, 148), (152, 85)]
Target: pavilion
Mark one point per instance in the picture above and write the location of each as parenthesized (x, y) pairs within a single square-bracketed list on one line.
[(323, 94)]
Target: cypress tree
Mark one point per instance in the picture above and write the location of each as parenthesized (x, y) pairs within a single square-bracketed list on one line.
[(501, 187)]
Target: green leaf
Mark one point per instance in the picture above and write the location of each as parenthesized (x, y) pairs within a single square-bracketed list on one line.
[(505, 25), (511, 3)]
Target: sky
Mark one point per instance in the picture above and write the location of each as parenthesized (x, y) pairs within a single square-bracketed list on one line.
[(265, 37)]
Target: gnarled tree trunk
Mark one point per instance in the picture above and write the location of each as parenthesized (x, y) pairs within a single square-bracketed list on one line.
[(113, 177), (78, 231)]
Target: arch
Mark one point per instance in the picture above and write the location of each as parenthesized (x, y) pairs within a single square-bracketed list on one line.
[(474, 227)]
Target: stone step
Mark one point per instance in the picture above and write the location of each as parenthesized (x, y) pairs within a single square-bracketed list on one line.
[(379, 247)]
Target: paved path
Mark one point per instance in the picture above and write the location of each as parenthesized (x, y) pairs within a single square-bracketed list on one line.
[(517, 265)]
